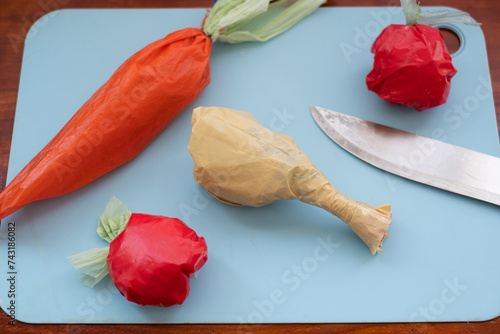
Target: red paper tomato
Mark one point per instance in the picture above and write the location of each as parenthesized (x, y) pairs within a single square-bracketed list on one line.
[(151, 260), (412, 66)]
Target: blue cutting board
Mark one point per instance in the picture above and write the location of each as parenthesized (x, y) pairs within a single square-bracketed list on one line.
[(286, 262)]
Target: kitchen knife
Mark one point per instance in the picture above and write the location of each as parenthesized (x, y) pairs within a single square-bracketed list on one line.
[(417, 158)]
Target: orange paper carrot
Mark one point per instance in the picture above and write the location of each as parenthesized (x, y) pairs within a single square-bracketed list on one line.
[(134, 106), (142, 97)]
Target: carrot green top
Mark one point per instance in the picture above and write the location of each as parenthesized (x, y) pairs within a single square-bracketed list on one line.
[(235, 21)]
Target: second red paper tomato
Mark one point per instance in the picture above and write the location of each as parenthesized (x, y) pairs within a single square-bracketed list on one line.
[(412, 65)]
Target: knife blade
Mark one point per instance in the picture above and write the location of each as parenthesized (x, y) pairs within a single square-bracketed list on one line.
[(414, 157)]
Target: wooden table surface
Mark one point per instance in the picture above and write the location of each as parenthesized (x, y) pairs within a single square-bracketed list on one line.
[(16, 17)]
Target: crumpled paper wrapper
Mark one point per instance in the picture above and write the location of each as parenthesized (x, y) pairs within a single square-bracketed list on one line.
[(240, 162)]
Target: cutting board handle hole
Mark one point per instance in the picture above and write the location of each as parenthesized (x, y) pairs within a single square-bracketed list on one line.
[(451, 39)]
